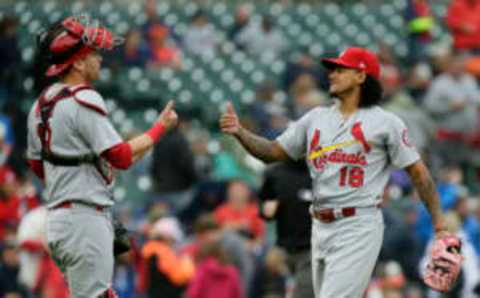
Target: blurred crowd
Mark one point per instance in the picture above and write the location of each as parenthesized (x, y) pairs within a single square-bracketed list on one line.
[(218, 223)]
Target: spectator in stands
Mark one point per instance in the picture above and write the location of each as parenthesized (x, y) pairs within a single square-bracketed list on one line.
[(268, 116), (9, 59), (271, 278), (15, 200), (150, 9), (305, 95), (453, 101), (476, 208), (242, 19), (125, 276), (6, 139), (167, 273), (401, 243), (214, 276), (174, 178), (469, 224), (301, 63), (419, 123), (463, 20), (418, 81), (15, 120), (207, 231), (387, 59), (473, 66), (163, 52), (199, 139), (135, 51), (152, 19), (262, 40), (450, 188), (240, 213), (201, 38), (208, 196), (388, 281), (9, 269), (419, 25)]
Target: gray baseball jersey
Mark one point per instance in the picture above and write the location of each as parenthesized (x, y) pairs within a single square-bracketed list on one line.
[(79, 126), (353, 156)]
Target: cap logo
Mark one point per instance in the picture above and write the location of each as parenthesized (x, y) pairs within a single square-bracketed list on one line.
[(362, 65)]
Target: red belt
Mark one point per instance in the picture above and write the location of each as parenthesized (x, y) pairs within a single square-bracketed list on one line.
[(330, 214), (69, 204)]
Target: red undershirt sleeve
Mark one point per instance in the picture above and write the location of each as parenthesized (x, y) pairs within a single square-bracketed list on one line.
[(119, 156)]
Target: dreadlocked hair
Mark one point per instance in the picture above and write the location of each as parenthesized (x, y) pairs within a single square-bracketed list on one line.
[(44, 58), (371, 92)]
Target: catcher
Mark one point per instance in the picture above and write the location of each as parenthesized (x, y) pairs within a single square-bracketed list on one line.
[(73, 147)]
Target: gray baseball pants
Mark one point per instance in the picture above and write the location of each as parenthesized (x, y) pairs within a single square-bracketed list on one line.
[(80, 240), (344, 253)]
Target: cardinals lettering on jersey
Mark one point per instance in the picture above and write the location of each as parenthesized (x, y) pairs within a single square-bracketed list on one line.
[(335, 154)]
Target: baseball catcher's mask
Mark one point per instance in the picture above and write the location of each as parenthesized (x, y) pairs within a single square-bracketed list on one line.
[(80, 38)]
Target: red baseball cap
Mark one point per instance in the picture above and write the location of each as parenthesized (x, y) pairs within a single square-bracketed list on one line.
[(357, 58)]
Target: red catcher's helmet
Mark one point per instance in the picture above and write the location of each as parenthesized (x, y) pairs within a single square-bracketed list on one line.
[(80, 40)]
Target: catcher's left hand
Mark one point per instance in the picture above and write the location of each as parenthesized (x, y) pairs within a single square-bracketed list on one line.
[(445, 263)]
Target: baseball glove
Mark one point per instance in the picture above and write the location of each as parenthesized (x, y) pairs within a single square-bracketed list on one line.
[(121, 242), (444, 264)]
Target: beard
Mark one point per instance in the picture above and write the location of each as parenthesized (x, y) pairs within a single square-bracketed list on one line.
[(93, 75), (342, 90), (338, 93), (333, 93)]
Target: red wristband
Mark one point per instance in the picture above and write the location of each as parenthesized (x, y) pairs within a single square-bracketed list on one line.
[(156, 131)]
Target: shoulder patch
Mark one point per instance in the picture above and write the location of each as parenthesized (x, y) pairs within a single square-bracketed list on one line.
[(91, 99)]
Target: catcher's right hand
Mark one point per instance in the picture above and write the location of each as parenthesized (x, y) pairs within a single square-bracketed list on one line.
[(445, 263), (168, 117)]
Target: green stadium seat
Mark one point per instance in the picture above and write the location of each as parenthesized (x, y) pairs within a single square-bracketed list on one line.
[(135, 8), (106, 8)]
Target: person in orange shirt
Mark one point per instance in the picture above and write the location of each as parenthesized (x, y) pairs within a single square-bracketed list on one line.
[(163, 54), (239, 212), (166, 272)]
